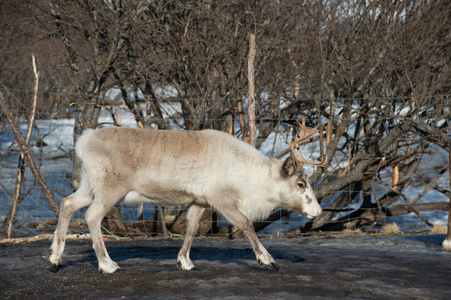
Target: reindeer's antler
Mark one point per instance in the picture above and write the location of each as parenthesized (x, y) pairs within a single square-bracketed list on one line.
[(304, 134)]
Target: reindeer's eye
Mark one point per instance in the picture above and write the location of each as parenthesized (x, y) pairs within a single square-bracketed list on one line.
[(301, 184)]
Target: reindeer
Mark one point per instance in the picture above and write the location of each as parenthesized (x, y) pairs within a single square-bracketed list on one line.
[(200, 168)]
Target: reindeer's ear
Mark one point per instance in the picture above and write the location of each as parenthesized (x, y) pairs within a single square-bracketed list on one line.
[(288, 167)]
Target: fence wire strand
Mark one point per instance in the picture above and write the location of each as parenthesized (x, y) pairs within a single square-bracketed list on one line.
[(35, 215)]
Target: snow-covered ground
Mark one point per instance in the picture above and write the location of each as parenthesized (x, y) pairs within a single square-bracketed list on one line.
[(56, 168)]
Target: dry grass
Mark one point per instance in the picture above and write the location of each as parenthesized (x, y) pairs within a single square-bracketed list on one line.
[(388, 229), (391, 229), (352, 232), (439, 229)]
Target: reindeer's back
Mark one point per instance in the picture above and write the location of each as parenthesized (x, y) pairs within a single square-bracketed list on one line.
[(128, 141), (172, 164)]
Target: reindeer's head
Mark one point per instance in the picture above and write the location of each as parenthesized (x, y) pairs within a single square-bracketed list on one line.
[(301, 197)]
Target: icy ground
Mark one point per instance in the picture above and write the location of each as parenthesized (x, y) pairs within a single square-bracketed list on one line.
[(368, 267)]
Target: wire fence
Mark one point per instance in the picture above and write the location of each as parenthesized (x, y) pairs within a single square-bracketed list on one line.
[(52, 143)]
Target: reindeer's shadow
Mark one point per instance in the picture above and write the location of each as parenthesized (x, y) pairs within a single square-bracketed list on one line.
[(160, 254)]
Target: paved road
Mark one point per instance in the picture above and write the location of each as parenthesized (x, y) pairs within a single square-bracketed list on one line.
[(369, 267)]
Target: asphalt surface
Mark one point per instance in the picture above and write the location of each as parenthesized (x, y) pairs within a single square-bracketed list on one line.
[(368, 267)]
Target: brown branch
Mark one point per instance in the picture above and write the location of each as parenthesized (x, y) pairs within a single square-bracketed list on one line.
[(412, 209), (49, 236), (21, 165), (108, 109), (402, 209), (274, 216), (28, 156), (437, 188), (372, 184)]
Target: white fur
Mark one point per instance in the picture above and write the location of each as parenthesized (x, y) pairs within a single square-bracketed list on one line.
[(82, 140), (446, 244)]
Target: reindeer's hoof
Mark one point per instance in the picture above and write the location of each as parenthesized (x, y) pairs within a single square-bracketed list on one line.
[(273, 266), (180, 267), (109, 271), (55, 268), (108, 267)]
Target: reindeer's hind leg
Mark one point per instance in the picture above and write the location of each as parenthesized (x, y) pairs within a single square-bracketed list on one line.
[(103, 202), (69, 206), (195, 215)]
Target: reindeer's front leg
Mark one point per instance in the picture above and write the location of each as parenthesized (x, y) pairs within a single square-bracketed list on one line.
[(229, 210), (195, 215)]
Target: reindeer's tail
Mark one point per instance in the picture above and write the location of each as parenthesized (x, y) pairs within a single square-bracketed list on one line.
[(81, 142)]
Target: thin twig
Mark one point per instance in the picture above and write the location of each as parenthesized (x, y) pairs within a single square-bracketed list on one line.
[(412, 209), (21, 164), (115, 123), (372, 184), (49, 236), (27, 152)]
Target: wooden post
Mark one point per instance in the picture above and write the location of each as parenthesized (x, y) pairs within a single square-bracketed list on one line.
[(329, 131), (251, 91), (395, 180), (447, 242)]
